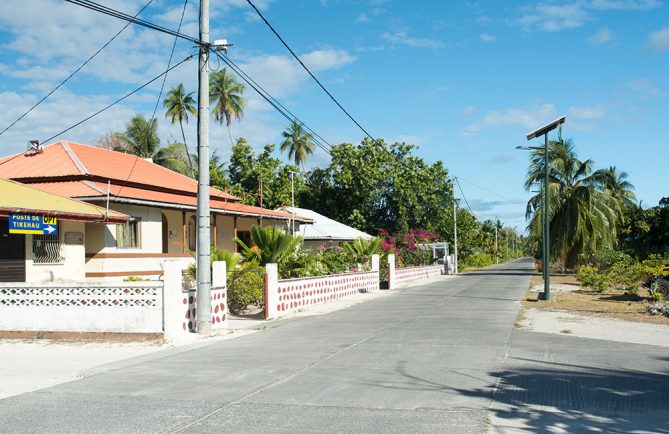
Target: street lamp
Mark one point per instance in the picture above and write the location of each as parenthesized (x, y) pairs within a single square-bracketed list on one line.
[(543, 131)]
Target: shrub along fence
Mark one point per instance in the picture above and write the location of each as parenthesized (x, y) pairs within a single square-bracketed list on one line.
[(290, 295)]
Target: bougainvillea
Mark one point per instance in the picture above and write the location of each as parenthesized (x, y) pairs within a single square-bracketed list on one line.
[(408, 247)]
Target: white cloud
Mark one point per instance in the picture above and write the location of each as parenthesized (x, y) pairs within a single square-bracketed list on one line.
[(469, 110), (485, 37), (401, 37), (586, 112), (659, 41), (362, 18), (525, 118), (625, 5), (552, 17), (644, 87), (602, 37)]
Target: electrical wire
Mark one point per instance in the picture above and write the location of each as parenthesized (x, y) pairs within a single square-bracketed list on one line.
[(123, 16), (492, 192), (118, 100), (262, 17), (457, 181), (272, 101), (74, 72), (258, 88), (169, 62)]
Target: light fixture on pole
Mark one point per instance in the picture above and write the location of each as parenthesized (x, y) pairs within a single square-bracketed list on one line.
[(543, 131)]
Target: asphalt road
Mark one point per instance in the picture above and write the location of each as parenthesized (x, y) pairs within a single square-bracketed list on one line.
[(443, 357)]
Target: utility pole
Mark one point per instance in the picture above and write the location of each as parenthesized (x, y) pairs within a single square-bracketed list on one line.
[(203, 211), (455, 233), (292, 202), (496, 257)]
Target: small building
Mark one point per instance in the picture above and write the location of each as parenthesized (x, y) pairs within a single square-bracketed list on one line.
[(322, 230), (31, 251), (160, 203)]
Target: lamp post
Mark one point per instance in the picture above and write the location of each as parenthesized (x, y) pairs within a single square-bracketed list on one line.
[(543, 131)]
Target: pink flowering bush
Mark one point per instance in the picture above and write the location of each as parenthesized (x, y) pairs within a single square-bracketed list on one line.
[(406, 246)]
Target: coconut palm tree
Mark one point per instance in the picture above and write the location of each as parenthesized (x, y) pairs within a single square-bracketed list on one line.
[(615, 184), (178, 105), (141, 139), (298, 143), (582, 217), (227, 95)]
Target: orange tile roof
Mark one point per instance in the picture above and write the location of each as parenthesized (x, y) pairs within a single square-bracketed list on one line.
[(93, 189), (67, 159)]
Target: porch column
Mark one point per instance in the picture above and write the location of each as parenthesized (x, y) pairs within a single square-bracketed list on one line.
[(234, 234), (184, 232), (259, 222), (215, 233)]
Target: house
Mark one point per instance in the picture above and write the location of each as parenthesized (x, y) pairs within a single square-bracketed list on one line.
[(30, 253), (322, 230), (160, 203)]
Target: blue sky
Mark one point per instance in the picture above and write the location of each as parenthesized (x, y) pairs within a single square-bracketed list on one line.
[(463, 80)]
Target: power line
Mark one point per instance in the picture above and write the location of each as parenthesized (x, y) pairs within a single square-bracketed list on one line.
[(74, 72), (463, 194), (123, 16), (308, 70), (118, 100), (271, 100), (264, 93), (492, 192), (169, 62)]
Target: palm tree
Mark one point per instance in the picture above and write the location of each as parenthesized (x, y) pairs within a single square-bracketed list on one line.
[(141, 139), (178, 104), (583, 218), (615, 184), (227, 95), (298, 143), (271, 245)]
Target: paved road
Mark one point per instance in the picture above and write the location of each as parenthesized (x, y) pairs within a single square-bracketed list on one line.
[(443, 357)]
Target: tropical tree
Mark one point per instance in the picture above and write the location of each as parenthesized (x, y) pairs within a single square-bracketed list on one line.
[(178, 104), (361, 249), (298, 143), (617, 186), (141, 139), (227, 95), (583, 218)]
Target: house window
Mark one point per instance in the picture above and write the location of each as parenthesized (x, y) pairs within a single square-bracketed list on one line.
[(47, 249), (127, 234), (192, 234)]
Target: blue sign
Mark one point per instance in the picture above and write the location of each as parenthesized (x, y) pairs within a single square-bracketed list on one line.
[(32, 224)]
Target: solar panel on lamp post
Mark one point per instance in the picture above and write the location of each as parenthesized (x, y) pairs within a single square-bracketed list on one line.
[(543, 131)]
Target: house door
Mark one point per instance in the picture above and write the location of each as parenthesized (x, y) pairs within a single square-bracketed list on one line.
[(12, 254)]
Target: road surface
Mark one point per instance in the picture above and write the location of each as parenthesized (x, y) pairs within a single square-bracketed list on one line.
[(443, 357)]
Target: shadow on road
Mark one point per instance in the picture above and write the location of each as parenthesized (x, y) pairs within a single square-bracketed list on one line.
[(566, 398)]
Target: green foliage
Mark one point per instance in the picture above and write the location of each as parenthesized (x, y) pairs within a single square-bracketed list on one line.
[(408, 247), (298, 143), (592, 278), (475, 260), (613, 270), (335, 260), (231, 261), (178, 104), (646, 231), (134, 279), (271, 245), (245, 287), (361, 250)]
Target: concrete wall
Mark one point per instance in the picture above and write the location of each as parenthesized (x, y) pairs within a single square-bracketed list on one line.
[(72, 267), (401, 277)]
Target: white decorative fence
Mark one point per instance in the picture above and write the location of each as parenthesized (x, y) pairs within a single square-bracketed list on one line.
[(399, 277), (117, 307), (290, 295), (113, 307)]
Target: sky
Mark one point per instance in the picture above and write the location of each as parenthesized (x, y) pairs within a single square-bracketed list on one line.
[(463, 80)]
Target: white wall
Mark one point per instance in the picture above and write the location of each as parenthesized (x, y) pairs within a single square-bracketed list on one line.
[(72, 268)]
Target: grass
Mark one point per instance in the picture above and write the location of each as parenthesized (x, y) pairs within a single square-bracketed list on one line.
[(612, 304)]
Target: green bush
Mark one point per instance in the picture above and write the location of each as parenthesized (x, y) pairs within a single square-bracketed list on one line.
[(134, 279), (592, 278), (475, 260), (246, 288)]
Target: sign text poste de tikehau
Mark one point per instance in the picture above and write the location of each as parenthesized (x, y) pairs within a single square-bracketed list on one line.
[(32, 224)]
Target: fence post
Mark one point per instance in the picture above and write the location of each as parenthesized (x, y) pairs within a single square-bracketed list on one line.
[(391, 271), (375, 262), (173, 307), (219, 295), (271, 290)]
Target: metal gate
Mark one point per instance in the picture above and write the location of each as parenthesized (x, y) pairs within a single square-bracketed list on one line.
[(12, 254)]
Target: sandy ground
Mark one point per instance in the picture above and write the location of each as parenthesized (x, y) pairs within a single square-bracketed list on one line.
[(561, 322), (28, 365)]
